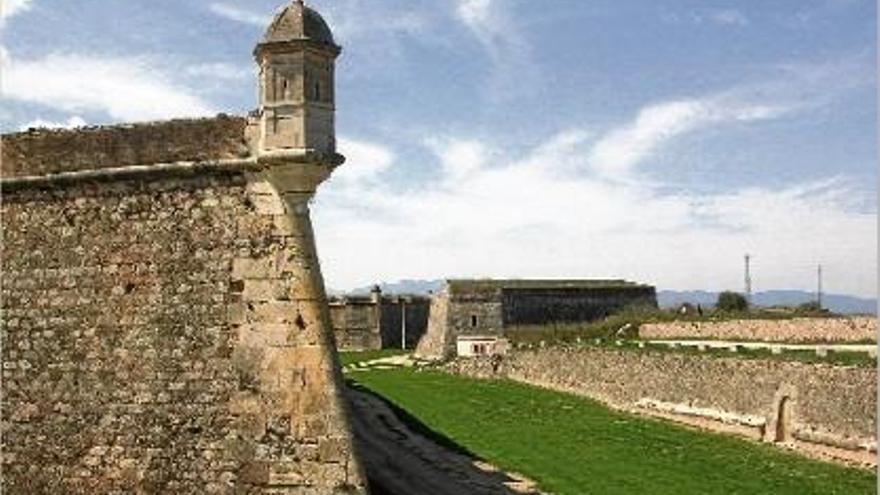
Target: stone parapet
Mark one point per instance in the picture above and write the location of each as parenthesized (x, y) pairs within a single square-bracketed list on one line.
[(39, 152), (855, 329)]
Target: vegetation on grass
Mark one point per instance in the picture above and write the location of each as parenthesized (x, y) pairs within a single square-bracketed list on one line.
[(351, 357), (626, 323), (811, 307), (732, 302), (572, 445)]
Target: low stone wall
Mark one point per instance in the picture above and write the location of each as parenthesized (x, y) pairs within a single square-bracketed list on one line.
[(778, 401), (791, 330)]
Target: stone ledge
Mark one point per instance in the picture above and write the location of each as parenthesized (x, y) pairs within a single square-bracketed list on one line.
[(133, 172), (703, 412), (275, 163)]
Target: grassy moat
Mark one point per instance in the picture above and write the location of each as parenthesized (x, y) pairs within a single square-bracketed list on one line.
[(573, 445)]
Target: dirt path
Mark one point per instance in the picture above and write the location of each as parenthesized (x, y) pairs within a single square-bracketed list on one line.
[(399, 461)]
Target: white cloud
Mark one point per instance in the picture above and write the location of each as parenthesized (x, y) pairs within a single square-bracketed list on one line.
[(129, 89), (350, 19), (367, 27), (507, 46), (551, 212), (221, 71), (721, 17), (622, 148), (797, 88), (460, 159), (618, 151), (364, 161), (476, 13), (9, 8), (728, 17), (237, 14), (75, 121), (519, 218), (355, 22)]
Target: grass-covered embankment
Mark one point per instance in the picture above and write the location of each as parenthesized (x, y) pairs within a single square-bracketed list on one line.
[(572, 445)]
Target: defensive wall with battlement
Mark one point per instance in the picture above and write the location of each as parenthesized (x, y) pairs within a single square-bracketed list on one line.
[(165, 326)]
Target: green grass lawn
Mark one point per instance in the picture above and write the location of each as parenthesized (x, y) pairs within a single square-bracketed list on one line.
[(351, 357), (572, 445)]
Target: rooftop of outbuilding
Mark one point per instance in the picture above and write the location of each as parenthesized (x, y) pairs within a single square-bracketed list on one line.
[(488, 285)]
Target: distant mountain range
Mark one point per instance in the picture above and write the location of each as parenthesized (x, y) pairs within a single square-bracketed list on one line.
[(404, 287), (837, 303)]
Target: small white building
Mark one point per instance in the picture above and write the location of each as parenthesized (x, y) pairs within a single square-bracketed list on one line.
[(481, 345)]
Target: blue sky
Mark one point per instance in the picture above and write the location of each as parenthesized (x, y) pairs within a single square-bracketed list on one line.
[(647, 139)]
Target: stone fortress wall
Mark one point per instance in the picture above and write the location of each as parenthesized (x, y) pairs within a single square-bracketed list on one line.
[(540, 306), (165, 326), (355, 323), (397, 308), (377, 321), (795, 330), (493, 307), (820, 408), (162, 328)]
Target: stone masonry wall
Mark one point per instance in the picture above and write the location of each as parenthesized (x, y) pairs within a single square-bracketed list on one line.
[(487, 308), (155, 339), (834, 403), (450, 317), (51, 151), (523, 306), (393, 309), (355, 325), (461, 315), (437, 341), (360, 323), (784, 330)]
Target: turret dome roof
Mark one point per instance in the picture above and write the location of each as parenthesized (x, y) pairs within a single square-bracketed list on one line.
[(299, 22)]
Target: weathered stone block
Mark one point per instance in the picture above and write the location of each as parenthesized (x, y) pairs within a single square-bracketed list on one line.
[(251, 268), (267, 204), (267, 290)]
